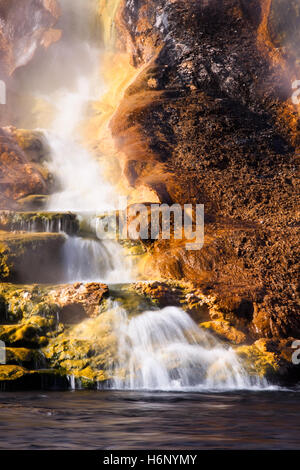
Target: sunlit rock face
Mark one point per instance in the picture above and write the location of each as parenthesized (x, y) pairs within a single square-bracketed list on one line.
[(24, 27), (212, 113), (284, 29), (21, 174)]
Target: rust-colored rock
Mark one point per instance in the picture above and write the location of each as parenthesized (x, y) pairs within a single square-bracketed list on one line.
[(24, 28), (19, 177), (225, 331), (210, 120), (79, 301)]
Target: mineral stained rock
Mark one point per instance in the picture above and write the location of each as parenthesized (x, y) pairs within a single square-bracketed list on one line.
[(49, 335), (26, 28), (20, 176), (210, 120)]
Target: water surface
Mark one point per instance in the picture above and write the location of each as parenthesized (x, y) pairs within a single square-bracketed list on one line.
[(145, 420)]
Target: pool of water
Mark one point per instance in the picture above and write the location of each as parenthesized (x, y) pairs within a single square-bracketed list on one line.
[(145, 420)]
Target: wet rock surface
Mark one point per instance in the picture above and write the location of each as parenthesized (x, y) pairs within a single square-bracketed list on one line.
[(212, 110), (26, 29), (48, 337), (66, 335), (30, 257)]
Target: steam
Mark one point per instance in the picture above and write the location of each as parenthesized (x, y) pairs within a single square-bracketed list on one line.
[(78, 172), (66, 82)]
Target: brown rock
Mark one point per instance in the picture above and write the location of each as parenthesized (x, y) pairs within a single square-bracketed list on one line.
[(225, 331), (19, 177), (209, 120), (79, 301), (30, 257), (23, 30)]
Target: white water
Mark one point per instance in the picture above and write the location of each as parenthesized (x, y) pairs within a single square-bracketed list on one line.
[(83, 189), (157, 350), (45, 223), (81, 185), (88, 260), (166, 350)]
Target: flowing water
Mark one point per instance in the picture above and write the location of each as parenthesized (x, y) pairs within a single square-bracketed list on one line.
[(162, 351), (91, 260), (82, 187), (166, 350), (146, 420), (156, 350)]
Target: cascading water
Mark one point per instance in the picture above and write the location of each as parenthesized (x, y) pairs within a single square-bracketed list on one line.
[(166, 350), (156, 350), (45, 222), (89, 260), (78, 173), (81, 186)]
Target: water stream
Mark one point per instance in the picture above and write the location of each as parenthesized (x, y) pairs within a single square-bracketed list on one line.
[(166, 350), (91, 260), (159, 349), (82, 189)]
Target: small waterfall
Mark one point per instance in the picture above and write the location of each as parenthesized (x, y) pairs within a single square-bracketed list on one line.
[(70, 95), (81, 187), (166, 350), (40, 222), (72, 382), (78, 173), (88, 260)]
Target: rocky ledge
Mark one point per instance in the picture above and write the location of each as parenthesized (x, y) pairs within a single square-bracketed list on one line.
[(30, 257), (40, 327), (209, 119), (62, 336)]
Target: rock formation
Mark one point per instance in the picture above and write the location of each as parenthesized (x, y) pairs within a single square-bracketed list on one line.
[(21, 37), (210, 120), (206, 118), (22, 174)]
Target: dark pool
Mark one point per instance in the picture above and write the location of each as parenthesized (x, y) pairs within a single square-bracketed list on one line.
[(138, 420)]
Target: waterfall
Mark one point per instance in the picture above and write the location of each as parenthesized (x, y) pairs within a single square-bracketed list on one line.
[(79, 175), (67, 81), (156, 350), (166, 350), (88, 260), (81, 187)]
